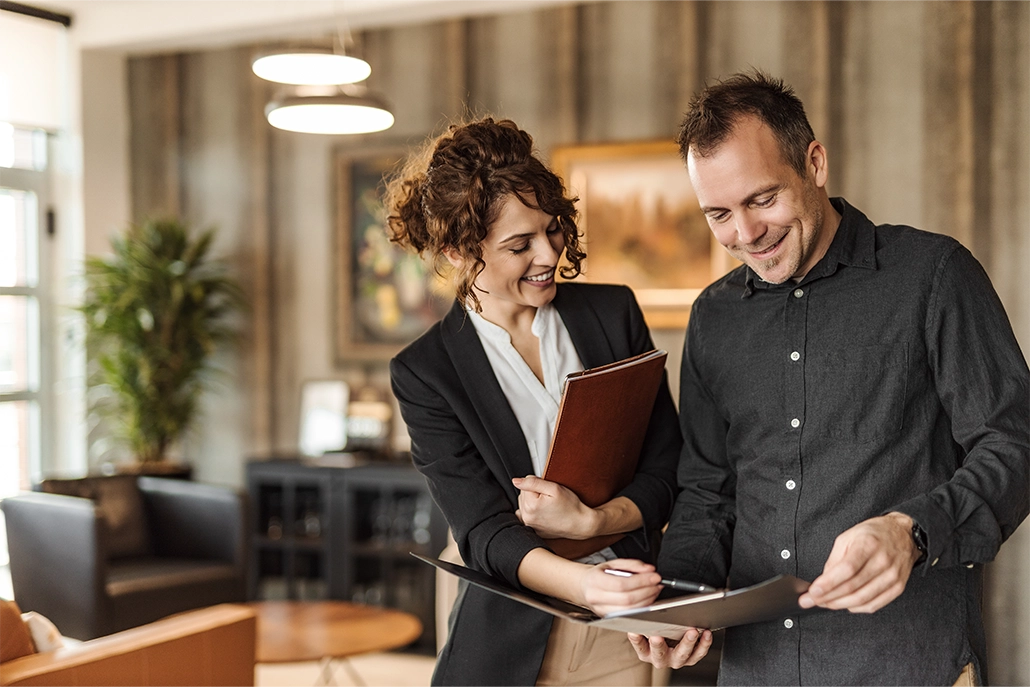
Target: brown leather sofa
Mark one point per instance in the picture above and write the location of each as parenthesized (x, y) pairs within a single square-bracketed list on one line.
[(102, 554), (209, 646)]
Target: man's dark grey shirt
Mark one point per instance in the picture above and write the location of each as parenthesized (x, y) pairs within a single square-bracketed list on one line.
[(888, 379)]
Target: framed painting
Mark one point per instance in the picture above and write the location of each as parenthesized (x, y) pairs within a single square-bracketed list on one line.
[(385, 295), (642, 225)]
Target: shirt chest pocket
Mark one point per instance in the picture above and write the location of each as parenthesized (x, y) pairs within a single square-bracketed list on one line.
[(858, 394)]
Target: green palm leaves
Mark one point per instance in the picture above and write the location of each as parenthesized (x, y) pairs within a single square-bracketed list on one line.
[(156, 310)]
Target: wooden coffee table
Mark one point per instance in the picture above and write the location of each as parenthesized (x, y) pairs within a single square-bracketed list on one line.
[(327, 631)]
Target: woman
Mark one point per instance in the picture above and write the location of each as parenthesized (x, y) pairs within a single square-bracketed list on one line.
[(480, 390)]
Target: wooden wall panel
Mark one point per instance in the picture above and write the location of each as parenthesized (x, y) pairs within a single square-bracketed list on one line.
[(256, 258), (882, 151), (559, 80), (679, 42), (155, 136), (595, 55), (1007, 256), (948, 120), (745, 34)]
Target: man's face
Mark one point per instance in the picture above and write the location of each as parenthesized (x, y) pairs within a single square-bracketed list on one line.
[(758, 207)]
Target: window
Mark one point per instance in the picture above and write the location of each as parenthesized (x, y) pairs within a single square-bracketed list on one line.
[(35, 91), (23, 305)]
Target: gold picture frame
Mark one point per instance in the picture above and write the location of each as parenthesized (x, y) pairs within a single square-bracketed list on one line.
[(386, 296), (642, 225)]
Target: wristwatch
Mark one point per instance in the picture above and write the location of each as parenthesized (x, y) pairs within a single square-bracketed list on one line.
[(919, 537)]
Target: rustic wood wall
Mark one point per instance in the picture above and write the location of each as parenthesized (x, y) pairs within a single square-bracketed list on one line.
[(923, 106)]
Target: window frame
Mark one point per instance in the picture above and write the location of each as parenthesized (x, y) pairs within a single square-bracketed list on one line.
[(37, 181)]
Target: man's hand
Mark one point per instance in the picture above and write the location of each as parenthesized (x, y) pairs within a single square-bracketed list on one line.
[(661, 654), (552, 510), (868, 566)]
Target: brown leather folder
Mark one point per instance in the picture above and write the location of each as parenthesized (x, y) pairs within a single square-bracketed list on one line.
[(599, 434)]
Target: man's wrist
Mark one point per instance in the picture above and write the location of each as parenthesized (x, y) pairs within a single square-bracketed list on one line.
[(913, 533)]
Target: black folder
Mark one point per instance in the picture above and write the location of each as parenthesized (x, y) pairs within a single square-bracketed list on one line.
[(772, 599)]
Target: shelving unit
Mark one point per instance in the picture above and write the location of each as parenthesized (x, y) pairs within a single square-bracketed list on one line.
[(387, 512), (368, 520), (290, 525)]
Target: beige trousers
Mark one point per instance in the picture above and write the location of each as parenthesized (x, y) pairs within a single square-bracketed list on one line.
[(575, 654), (967, 678), (578, 654)]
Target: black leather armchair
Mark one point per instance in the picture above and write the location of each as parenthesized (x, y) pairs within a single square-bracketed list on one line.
[(104, 554)]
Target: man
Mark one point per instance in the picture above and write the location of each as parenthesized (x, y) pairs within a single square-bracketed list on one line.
[(855, 411)]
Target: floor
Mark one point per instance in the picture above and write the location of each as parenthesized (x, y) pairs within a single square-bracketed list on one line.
[(6, 589), (394, 669), (391, 669)]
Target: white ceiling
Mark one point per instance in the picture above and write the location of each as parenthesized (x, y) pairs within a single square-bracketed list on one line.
[(161, 25)]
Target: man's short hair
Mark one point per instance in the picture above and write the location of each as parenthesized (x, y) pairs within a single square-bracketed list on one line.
[(719, 107)]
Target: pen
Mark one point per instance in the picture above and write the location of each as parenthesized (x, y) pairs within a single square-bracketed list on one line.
[(682, 585)]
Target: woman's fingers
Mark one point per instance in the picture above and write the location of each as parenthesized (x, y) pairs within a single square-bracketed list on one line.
[(536, 485), (634, 584)]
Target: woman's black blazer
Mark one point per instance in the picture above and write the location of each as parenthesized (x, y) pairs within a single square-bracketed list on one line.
[(467, 442)]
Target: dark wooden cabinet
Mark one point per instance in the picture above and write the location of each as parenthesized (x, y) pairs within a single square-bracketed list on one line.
[(291, 546), (345, 533)]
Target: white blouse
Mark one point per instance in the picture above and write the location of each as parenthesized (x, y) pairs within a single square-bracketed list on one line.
[(535, 405)]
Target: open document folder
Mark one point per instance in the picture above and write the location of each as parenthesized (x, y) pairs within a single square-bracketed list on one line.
[(775, 598)]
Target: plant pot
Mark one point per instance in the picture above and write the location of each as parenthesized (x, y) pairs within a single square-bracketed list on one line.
[(153, 468)]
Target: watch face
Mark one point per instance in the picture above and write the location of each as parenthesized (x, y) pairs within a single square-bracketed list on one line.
[(919, 537)]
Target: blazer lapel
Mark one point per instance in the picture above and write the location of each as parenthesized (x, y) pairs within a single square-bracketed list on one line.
[(484, 391), (585, 330)]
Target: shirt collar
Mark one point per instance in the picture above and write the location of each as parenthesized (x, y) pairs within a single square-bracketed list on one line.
[(542, 323), (854, 245)]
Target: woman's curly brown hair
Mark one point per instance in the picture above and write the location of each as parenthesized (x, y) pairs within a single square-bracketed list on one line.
[(447, 196)]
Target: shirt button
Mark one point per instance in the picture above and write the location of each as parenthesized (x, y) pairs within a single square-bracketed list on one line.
[(798, 293), (795, 356), (788, 623), (795, 423), (791, 484), (785, 554)]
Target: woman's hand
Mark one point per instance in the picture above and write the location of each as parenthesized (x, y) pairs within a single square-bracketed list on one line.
[(604, 593), (554, 511), (666, 653)]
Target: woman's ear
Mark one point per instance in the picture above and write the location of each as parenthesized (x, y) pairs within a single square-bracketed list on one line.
[(453, 257)]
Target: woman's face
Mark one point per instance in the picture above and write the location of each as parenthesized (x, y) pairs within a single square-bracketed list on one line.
[(521, 252)]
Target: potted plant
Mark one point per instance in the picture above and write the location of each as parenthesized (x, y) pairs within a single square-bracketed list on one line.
[(156, 310)]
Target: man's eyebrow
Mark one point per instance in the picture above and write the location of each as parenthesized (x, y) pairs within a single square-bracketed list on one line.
[(747, 201), (708, 210)]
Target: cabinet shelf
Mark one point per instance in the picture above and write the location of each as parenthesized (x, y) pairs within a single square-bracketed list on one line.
[(310, 543), (402, 551), (368, 518)]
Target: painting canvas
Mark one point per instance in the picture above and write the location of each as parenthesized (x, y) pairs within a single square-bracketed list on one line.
[(386, 296), (642, 225)]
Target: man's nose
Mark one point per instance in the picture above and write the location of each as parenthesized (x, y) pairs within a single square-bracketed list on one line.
[(749, 228)]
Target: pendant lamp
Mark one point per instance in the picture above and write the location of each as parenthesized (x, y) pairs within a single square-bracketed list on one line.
[(324, 100), (310, 67), (339, 113)]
